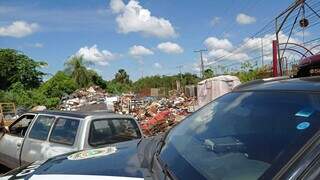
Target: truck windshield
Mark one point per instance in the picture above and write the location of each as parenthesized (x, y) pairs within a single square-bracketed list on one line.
[(242, 135), (107, 131)]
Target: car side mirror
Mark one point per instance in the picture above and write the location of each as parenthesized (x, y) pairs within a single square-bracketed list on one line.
[(147, 149)]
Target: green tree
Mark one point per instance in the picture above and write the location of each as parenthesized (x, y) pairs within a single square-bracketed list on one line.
[(96, 79), (58, 85), (208, 73), (167, 82), (249, 72), (122, 77), (18, 67), (114, 87), (27, 98), (76, 67)]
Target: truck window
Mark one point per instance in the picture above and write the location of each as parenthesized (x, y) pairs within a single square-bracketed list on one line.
[(107, 131), (64, 131), (41, 127), (19, 127)]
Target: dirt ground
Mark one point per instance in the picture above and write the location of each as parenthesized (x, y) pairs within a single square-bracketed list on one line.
[(3, 169)]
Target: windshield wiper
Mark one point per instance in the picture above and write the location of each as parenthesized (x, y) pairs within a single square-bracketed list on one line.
[(161, 143), (165, 169)]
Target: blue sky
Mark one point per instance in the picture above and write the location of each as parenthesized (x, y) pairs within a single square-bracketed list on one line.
[(145, 37)]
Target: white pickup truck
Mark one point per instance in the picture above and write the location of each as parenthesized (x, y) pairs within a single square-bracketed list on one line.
[(41, 135)]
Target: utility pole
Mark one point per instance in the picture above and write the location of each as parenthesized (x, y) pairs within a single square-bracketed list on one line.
[(262, 54), (201, 59), (180, 72)]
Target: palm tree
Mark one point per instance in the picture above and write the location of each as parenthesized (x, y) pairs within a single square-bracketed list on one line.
[(76, 67), (122, 77)]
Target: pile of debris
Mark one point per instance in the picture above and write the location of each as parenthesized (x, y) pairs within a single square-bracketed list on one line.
[(156, 115), (85, 99)]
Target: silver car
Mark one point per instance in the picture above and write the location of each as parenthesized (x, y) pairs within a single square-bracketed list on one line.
[(41, 135)]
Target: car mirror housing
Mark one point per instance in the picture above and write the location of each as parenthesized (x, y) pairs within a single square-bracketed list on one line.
[(147, 149)]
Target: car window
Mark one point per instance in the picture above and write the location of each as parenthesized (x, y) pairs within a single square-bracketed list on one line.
[(64, 131), (108, 131), (242, 135), (41, 127), (19, 128)]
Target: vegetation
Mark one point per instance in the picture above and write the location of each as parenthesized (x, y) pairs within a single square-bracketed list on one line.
[(58, 85), (167, 82), (249, 73), (18, 67), (208, 73), (21, 81), (76, 67)]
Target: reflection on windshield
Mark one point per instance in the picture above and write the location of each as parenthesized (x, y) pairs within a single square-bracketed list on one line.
[(242, 135)]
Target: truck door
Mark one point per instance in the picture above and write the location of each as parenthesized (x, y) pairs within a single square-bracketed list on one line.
[(11, 142), (64, 137), (36, 142)]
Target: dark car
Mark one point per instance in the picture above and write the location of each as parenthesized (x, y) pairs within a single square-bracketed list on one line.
[(268, 129), (309, 66)]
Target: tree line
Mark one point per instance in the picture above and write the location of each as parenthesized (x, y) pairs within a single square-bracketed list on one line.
[(21, 80)]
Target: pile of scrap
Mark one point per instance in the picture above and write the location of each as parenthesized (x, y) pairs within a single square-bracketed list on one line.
[(156, 115), (85, 99)]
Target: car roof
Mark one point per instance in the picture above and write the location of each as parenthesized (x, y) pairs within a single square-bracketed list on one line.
[(83, 115), (311, 60), (282, 84)]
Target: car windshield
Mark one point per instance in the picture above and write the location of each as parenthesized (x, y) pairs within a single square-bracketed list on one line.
[(242, 135)]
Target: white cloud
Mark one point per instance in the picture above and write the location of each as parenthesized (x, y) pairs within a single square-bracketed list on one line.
[(38, 45), (157, 65), (227, 55), (34, 45), (94, 55), (250, 44), (170, 48), (138, 51), (215, 43), (245, 19), (248, 49), (19, 29), (95, 69), (215, 21), (117, 5), (134, 18)]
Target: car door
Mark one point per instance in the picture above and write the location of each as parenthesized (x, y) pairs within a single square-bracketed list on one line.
[(63, 137), (11, 142), (36, 142)]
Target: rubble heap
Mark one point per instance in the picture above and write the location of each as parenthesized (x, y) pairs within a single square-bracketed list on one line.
[(157, 115), (154, 114), (84, 99)]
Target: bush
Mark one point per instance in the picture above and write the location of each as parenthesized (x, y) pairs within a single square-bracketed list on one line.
[(58, 85)]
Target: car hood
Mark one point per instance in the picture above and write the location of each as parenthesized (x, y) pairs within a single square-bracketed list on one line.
[(116, 160)]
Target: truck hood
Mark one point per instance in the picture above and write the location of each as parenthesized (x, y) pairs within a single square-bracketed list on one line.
[(116, 160)]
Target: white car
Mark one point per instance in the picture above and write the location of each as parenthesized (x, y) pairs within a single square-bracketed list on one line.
[(41, 135)]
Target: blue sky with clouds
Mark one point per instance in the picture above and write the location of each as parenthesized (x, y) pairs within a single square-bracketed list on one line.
[(145, 37)]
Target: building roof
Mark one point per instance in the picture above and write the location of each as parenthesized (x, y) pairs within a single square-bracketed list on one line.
[(282, 84)]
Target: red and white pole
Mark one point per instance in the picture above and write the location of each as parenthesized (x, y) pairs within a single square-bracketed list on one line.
[(275, 58)]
